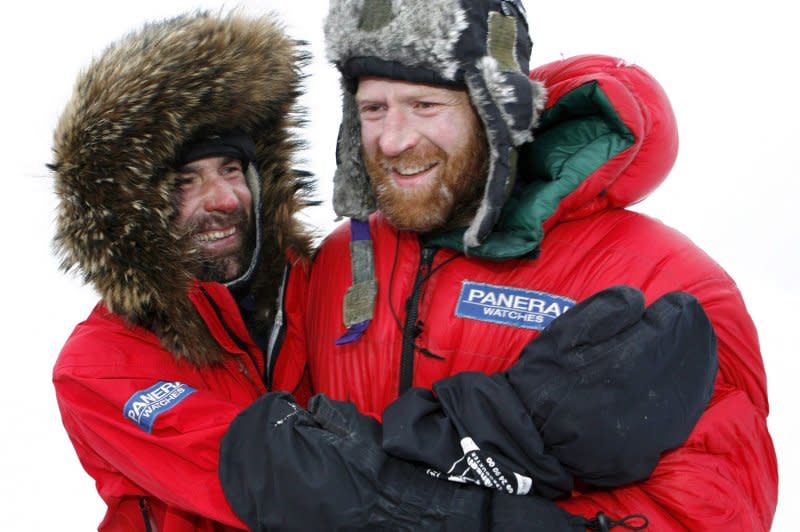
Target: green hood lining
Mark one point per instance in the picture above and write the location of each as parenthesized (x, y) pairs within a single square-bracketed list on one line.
[(576, 136)]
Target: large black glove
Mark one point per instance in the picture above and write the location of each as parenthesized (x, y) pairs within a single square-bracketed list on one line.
[(598, 395), (285, 468)]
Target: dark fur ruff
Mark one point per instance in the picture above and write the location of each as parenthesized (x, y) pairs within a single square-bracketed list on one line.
[(116, 142)]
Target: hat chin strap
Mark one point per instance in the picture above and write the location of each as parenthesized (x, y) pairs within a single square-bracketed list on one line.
[(254, 183)]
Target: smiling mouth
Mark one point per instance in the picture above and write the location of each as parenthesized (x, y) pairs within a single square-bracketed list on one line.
[(212, 236), (412, 171)]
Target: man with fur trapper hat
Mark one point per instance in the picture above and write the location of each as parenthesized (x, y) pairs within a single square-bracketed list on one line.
[(177, 201), (484, 204)]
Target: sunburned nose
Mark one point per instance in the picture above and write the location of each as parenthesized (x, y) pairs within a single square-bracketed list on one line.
[(220, 197), (396, 135)]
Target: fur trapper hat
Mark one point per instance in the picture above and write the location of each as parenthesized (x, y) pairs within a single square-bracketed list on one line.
[(118, 141), (482, 45)]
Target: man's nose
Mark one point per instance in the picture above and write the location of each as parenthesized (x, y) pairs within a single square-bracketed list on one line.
[(397, 135), (220, 196)]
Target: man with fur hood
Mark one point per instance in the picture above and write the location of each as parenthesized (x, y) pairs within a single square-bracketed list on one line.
[(177, 201), (466, 239)]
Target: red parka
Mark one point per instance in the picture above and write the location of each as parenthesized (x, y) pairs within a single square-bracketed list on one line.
[(606, 139), (146, 426)]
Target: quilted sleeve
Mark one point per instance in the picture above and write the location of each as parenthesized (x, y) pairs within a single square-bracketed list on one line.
[(161, 436), (724, 477)]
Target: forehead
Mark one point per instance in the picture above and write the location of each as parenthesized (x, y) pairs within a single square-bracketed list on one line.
[(214, 161), (370, 88)]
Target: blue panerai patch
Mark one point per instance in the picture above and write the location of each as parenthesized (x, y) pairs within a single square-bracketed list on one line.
[(145, 406), (506, 305)]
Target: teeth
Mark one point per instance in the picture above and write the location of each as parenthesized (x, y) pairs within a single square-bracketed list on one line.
[(413, 169), (215, 235)]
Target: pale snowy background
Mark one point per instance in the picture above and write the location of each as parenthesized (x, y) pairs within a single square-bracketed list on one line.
[(730, 69)]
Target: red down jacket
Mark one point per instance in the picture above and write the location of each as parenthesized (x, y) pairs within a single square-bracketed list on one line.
[(112, 380), (606, 139)]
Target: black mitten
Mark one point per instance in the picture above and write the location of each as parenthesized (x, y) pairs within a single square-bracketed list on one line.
[(600, 394), (612, 385), (285, 468), (475, 430)]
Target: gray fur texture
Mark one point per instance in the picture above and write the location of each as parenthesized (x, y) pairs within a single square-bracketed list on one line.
[(422, 33), (427, 34)]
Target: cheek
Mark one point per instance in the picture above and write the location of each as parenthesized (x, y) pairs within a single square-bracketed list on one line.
[(369, 138), (451, 131), (187, 206), (245, 198)]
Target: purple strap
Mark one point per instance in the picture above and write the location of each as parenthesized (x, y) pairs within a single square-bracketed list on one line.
[(359, 230), (353, 333)]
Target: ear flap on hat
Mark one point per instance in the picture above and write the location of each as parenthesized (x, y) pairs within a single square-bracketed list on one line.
[(509, 105), (352, 192)]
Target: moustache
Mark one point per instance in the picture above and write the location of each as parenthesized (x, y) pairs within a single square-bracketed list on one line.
[(217, 220), (414, 156)]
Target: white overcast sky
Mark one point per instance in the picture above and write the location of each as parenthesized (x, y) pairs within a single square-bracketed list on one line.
[(730, 69)]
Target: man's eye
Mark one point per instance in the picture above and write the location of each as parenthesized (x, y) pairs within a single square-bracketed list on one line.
[(426, 105), (232, 169), (370, 109), (184, 181)]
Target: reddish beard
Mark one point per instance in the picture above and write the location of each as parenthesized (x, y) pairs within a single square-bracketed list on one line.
[(447, 201), (226, 266)]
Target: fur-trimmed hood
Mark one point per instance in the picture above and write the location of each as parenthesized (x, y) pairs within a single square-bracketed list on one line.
[(117, 141)]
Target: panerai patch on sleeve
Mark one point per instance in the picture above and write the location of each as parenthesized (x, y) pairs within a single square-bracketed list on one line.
[(145, 406), (506, 305)]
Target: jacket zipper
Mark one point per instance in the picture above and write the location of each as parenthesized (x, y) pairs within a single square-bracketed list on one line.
[(243, 369), (278, 332), (145, 509), (243, 347), (410, 331)]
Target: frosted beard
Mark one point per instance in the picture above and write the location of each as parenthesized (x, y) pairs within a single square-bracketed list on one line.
[(223, 267), (447, 201)]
